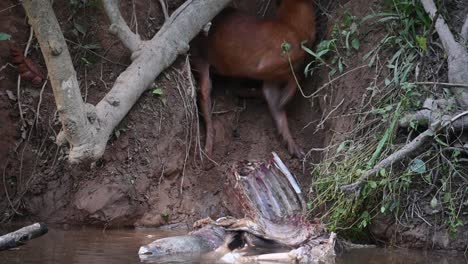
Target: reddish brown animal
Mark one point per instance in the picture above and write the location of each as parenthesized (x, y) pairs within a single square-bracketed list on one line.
[(240, 45)]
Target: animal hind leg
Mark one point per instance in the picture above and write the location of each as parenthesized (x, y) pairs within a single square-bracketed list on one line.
[(288, 93), (203, 69), (272, 93)]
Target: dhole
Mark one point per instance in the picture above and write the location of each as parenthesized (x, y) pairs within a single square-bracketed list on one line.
[(241, 45)]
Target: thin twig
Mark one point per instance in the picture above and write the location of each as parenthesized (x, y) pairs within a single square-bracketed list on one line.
[(161, 177), (38, 108), (164, 9), (8, 8), (6, 189), (134, 16), (97, 54), (103, 82), (441, 83), (18, 87), (6, 65), (18, 95), (86, 84), (266, 8), (320, 125), (330, 82)]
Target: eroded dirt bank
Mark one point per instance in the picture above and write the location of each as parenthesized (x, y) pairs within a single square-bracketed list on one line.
[(151, 173)]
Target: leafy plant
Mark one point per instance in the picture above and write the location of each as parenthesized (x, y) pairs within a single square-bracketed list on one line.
[(332, 52), (4, 36), (390, 191), (157, 91), (165, 216)]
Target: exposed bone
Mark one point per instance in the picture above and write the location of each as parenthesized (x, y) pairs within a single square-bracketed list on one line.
[(272, 214)]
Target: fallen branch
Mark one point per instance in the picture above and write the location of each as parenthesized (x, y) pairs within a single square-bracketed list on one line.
[(86, 127), (404, 152), (20, 236)]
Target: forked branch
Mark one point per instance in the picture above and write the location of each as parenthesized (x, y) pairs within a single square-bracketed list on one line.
[(86, 127), (119, 27)]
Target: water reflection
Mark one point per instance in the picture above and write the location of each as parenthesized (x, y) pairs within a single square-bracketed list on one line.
[(400, 256), (85, 246), (93, 246)]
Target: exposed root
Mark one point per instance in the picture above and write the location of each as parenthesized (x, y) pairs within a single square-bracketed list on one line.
[(164, 9)]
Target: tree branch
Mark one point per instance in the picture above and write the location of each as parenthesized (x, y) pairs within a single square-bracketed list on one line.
[(457, 54), (404, 152), (20, 236), (464, 31), (164, 9), (62, 75), (87, 128), (119, 27)]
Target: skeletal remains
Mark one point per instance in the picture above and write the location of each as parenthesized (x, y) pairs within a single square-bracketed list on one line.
[(268, 224)]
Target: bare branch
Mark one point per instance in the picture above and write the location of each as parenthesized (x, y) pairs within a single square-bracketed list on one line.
[(61, 73), (164, 9), (457, 54), (87, 128), (464, 31), (404, 152), (119, 27)]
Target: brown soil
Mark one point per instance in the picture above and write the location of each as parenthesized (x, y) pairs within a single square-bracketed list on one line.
[(144, 178), (141, 179)]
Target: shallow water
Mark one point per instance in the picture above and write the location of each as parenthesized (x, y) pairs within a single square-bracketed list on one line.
[(89, 246)]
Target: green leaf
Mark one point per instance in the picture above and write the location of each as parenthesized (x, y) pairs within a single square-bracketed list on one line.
[(387, 82), (165, 216), (355, 43), (389, 132), (348, 33), (422, 42), (383, 172), (437, 139), (382, 209), (157, 91), (341, 147), (434, 202), (417, 166), (4, 36), (446, 197), (373, 184), (91, 46), (340, 66), (86, 61), (80, 28), (286, 46)]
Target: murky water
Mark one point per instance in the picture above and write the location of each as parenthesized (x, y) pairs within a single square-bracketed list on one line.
[(94, 246)]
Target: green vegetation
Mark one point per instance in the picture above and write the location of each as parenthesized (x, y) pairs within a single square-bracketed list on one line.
[(345, 39), (4, 36), (430, 183)]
